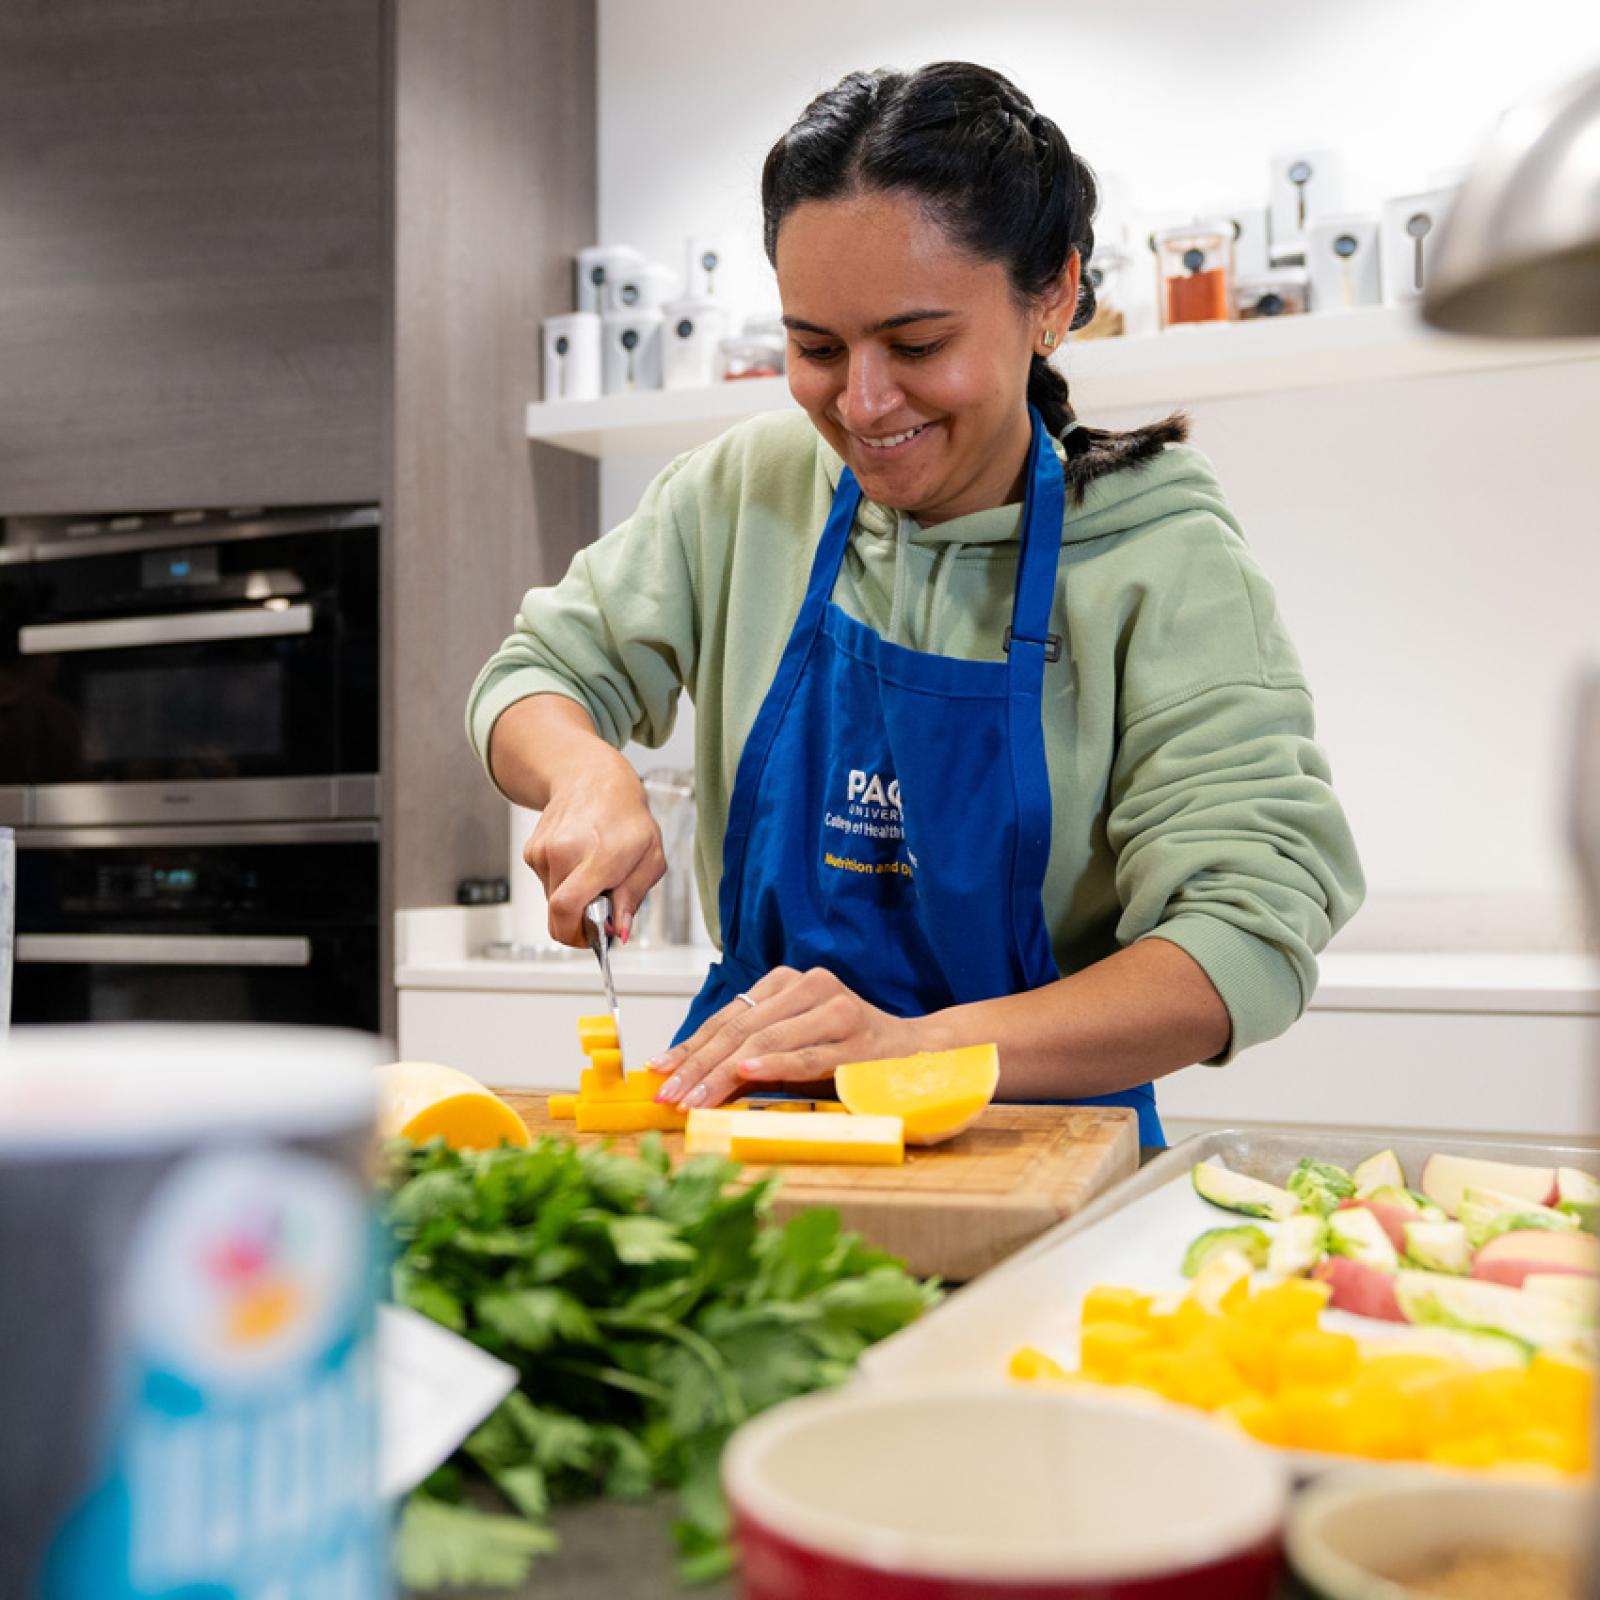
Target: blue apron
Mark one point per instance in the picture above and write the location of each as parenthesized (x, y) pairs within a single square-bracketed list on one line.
[(890, 818)]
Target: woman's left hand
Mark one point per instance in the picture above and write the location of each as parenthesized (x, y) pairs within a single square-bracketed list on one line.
[(802, 1026)]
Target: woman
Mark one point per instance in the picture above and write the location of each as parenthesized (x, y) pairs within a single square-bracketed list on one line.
[(998, 735)]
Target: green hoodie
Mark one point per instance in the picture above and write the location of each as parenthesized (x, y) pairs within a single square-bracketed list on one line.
[(1189, 800)]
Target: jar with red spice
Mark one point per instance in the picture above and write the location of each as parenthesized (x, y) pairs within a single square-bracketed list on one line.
[(1194, 272)]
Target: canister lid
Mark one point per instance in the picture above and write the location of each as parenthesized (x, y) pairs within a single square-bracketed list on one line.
[(104, 1089)]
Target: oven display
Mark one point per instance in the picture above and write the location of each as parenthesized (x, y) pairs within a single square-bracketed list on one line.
[(179, 569)]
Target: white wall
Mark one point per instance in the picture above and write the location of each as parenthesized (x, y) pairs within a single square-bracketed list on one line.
[(1435, 543)]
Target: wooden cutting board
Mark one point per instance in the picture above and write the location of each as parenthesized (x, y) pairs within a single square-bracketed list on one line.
[(959, 1207)]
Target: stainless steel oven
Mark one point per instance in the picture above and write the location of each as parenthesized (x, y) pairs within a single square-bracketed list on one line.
[(189, 754), (259, 922), (196, 667)]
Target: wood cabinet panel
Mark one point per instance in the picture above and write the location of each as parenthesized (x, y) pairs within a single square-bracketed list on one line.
[(193, 253)]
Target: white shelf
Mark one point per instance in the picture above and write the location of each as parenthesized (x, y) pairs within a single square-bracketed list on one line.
[(1207, 362)]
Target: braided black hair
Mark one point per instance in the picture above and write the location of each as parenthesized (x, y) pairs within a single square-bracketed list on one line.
[(998, 175)]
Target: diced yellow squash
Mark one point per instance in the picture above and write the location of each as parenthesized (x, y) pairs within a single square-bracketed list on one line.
[(1474, 1450), (421, 1100), (1285, 1307), (623, 1116), (1106, 1348), (1027, 1362), (1378, 1427), (1205, 1378), (1560, 1392), (1155, 1370), (1311, 1359), (561, 1107), (936, 1093), (1108, 1303), (1546, 1447), (627, 1087), (1313, 1419), (1253, 1352), (597, 1033), (816, 1137), (606, 1064), (1257, 1416)]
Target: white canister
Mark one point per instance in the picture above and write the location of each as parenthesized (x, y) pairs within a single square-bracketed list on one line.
[(572, 356), (1342, 258), (690, 332), (1408, 233), (637, 288), (1303, 186), (597, 265), (191, 1368), (705, 267), (630, 344)]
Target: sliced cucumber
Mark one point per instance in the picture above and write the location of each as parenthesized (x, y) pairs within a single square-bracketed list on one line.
[(1233, 1191)]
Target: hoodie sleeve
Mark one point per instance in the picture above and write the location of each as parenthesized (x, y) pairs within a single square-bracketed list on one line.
[(1230, 841), (618, 634)]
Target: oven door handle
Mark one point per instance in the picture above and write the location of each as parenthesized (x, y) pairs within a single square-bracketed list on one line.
[(184, 627), (162, 950)]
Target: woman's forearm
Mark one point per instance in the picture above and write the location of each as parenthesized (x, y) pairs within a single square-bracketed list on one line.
[(1137, 1015), (542, 739)]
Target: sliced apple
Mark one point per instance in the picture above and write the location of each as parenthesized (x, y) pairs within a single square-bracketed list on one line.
[(1513, 1256), (1365, 1291), (1445, 1177)]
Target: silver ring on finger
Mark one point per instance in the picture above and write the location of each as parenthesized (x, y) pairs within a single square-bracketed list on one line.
[(748, 1000)]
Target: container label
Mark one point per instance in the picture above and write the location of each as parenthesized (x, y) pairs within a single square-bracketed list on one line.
[(240, 1460)]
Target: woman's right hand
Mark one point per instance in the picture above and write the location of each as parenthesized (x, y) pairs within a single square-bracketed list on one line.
[(596, 834)]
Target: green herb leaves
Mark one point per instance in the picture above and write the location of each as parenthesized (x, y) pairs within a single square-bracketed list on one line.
[(648, 1312)]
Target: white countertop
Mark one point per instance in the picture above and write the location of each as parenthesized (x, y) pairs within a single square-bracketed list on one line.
[(441, 948)]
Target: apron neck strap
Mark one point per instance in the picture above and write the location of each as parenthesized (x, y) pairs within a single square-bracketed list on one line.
[(1043, 511)]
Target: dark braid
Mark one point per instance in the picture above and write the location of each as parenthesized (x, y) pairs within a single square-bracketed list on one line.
[(998, 174)]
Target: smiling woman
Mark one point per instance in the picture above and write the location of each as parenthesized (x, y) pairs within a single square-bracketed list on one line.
[(999, 735)]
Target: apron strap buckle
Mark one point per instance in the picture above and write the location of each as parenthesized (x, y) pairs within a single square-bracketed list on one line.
[(1051, 642)]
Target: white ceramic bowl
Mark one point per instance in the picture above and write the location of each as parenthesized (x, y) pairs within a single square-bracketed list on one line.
[(1346, 1532), (978, 1488)]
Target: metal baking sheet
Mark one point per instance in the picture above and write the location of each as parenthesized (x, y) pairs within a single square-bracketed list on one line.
[(1136, 1234)]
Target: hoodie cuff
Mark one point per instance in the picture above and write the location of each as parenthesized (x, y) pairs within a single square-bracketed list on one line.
[(1258, 983)]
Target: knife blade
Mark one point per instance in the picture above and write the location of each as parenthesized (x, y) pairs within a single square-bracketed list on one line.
[(598, 923)]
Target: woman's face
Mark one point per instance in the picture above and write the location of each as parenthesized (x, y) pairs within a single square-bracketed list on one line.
[(910, 355)]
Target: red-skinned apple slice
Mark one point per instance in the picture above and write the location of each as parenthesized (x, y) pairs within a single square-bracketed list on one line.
[(1444, 1177), (1366, 1291), (1513, 1256)]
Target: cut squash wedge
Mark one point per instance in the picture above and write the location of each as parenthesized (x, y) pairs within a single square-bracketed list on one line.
[(937, 1093), (421, 1100)]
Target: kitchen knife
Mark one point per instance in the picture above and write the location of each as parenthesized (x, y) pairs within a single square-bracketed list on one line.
[(598, 923)]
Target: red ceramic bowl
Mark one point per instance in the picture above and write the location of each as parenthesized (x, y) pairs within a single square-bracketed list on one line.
[(986, 1491)]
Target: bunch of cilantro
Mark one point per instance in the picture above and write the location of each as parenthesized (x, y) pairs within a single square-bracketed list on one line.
[(648, 1312)]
